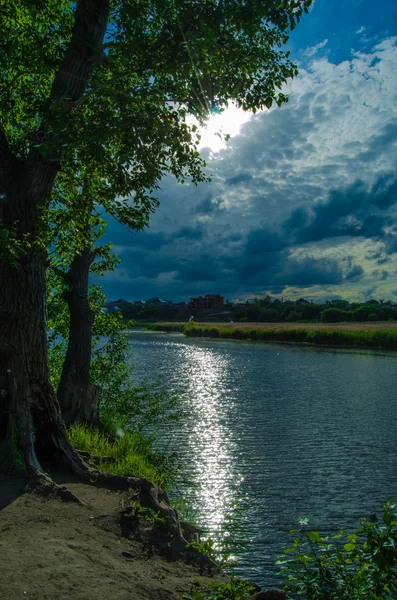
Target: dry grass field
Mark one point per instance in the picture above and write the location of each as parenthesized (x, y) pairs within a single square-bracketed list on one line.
[(381, 334), (345, 326)]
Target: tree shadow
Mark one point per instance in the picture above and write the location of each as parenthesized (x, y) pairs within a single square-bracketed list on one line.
[(11, 487)]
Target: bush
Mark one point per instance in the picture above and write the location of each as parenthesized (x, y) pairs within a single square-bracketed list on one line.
[(270, 315), (293, 315), (359, 566), (373, 317), (334, 315)]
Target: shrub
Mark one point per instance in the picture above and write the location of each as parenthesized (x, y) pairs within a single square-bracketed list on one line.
[(334, 315), (269, 315), (372, 317), (293, 315), (359, 566)]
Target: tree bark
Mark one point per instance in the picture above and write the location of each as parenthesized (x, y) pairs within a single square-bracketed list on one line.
[(27, 397), (77, 397)]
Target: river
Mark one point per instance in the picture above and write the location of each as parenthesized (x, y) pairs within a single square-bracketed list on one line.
[(274, 433)]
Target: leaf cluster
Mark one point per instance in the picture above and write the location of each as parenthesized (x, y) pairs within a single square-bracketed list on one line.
[(234, 589), (361, 565), (160, 60)]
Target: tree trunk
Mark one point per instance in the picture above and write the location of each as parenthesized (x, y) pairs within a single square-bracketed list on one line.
[(28, 401), (29, 404), (77, 397)]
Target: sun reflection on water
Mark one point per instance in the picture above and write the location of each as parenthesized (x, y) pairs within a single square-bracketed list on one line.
[(210, 439)]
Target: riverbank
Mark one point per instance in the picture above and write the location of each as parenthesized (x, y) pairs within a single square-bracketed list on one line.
[(354, 335), (52, 550)]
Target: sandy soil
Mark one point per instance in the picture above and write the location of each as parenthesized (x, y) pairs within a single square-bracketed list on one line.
[(346, 326), (50, 550)]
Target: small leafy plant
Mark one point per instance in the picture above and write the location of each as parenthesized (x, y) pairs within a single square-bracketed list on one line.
[(234, 589), (358, 566), (152, 516)]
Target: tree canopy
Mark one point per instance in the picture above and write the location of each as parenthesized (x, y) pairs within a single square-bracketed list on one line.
[(153, 62)]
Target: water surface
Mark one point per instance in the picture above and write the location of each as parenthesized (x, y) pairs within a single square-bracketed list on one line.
[(274, 433)]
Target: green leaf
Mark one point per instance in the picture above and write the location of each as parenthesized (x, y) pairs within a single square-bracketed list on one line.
[(314, 536), (349, 547)]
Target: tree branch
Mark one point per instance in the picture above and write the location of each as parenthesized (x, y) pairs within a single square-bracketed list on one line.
[(82, 55), (83, 50)]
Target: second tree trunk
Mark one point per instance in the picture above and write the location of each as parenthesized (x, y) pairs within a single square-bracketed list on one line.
[(77, 397)]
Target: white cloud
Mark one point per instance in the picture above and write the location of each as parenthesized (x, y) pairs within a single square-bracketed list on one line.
[(314, 49), (361, 30)]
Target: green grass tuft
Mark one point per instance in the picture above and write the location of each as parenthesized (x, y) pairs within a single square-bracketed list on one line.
[(131, 455)]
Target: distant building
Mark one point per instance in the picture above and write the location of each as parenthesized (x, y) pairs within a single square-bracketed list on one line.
[(208, 301), (302, 301), (158, 302), (113, 308)]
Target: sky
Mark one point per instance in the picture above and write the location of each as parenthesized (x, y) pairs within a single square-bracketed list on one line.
[(303, 198)]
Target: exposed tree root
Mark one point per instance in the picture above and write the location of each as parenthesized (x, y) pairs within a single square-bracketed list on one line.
[(42, 483)]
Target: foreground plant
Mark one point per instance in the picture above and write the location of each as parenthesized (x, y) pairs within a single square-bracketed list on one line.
[(132, 454), (234, 589), (358, 566)]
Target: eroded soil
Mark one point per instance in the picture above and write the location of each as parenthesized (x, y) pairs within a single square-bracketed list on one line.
[(50, 550)]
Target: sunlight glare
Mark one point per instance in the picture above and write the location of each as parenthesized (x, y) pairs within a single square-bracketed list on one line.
[(228, 122)]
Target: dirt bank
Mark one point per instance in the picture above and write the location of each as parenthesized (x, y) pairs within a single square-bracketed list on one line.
[(50, 550)]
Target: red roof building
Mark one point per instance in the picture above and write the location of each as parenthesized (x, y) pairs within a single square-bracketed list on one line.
[(208, 301)]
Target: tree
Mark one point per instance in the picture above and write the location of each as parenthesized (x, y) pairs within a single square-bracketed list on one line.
[(335, 315), (74, 250), (92, 93)]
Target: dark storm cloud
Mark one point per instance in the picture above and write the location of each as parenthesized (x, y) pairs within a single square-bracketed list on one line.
[(369, 292), (378, 257), (254, 268), (390, 241), (121, 236), (297, 220), (347, 212), (208, 206), (355, 274), (330, 218), (381, 275), (189, 233), (238, 179), (200, 269), (385, 192), (380, 143), (260, 241), (308, 272), (138, 262)]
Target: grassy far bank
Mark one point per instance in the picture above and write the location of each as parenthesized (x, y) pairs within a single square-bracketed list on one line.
[(356, 335)]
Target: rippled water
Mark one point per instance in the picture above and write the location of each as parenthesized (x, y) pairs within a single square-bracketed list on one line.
[(275, 433)]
